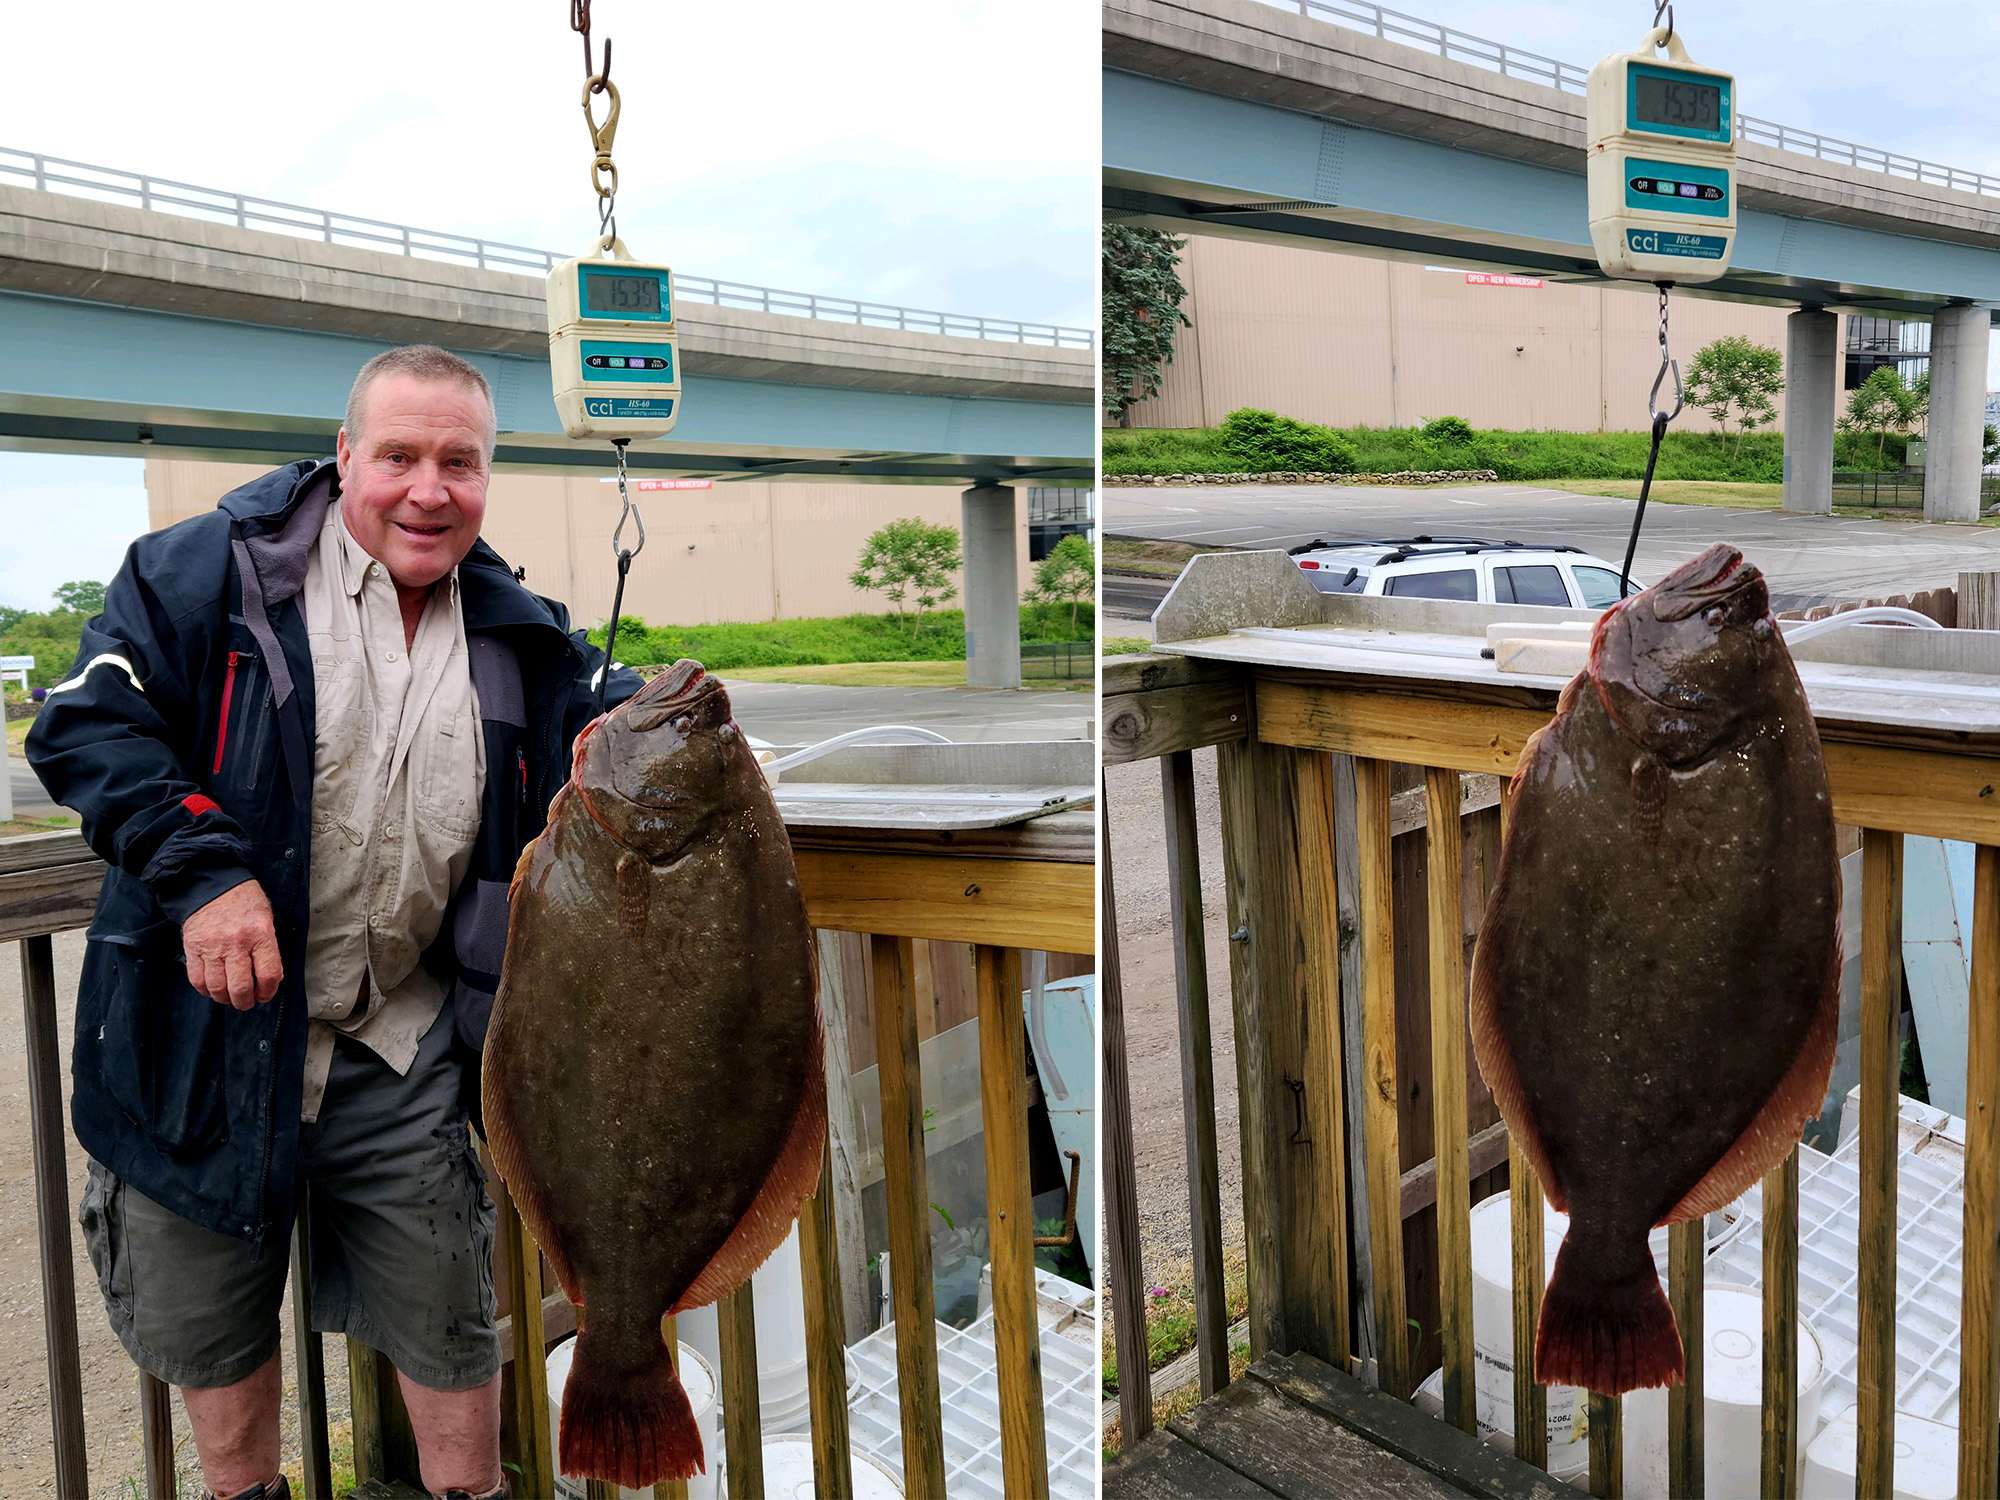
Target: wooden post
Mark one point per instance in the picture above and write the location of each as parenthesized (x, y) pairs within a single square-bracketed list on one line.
[(1365, 1338), (844, 1132), (1687, 1404), (1978, 608), (1444, 871), (531, 1370), (1607, 1446), (1197, 1070), (45, 1110), (1881, 1074), (1529, 1274), (156, 1424), (311, 1358), (1003, 1099), (1121, 1205), (1781, 1330), (382, 1434), (742, 1422), (826, 1343), (1321, 1326), (906, 1180), (1979, 1317), (1378, 1011)]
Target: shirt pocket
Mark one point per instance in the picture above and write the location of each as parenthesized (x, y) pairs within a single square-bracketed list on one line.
[(444, 777), (343, 728)]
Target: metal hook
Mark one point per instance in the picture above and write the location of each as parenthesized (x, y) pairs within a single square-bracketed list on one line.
[(631, 510), (601, 135), (1653, 396), (1068, 1236), (1660, 8)]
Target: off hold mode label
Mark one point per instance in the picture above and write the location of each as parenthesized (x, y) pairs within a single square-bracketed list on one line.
[(1672, 242), (659, 408)]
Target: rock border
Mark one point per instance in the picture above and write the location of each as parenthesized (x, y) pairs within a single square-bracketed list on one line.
[(1409, 477)]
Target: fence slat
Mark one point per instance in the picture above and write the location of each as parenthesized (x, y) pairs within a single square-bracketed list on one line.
[(907, 1182), (1315, 950), (51, 1151), (742, 1422), (1531, 1398), (1979, 1349), (1197, 1068), (1606, 1418), (1881, 1068), (1003, 1101), (531, 1371), (1364, 1338), (1781, 1330), (1444, 867), (316, 1456), (1687, 1404), (1377, 940), (1121, 1206), (826, 1341), (156, 1426)]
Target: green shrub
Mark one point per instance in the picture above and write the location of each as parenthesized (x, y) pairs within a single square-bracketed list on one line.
[(1267, 442), (1448, 430), (827, 640)]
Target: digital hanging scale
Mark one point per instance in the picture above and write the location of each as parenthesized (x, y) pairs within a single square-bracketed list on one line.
[(614, 352), (1662, 164)]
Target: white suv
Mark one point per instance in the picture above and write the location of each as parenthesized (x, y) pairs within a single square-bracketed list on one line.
[(1463, 567)]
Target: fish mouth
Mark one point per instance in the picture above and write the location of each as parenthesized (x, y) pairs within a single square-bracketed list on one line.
[(1720, 574), (680, 687)]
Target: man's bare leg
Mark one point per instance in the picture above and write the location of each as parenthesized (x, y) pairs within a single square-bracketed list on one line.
[(236, 1430), (458, 1435)]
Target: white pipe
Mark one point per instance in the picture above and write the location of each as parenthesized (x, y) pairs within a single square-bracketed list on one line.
[(879, 734), (1874, 614)]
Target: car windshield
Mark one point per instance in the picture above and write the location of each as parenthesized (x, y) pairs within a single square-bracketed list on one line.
[(1600, 586)]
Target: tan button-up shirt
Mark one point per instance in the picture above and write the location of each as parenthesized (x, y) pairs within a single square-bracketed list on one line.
[(399, 764)]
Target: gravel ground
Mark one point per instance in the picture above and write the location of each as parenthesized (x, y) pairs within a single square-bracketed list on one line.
[(110, 1381), (1152, 1026)]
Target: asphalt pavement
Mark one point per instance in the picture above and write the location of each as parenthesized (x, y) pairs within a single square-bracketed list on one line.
[(1808, 559)]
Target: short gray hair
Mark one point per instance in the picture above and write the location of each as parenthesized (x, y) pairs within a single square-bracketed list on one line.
[(424, 362)]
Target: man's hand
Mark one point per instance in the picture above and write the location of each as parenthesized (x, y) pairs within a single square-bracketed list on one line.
[(232, 948)]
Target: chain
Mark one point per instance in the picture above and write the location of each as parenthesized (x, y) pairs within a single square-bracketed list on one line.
[(630, 510), (625, 556), (603, 174), (1668, 364)]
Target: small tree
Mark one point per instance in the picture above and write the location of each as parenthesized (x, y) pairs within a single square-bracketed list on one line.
[(1068, 575), (1735, 375), (910, 559), (1881, 404), (1141, 300), (85, 598)]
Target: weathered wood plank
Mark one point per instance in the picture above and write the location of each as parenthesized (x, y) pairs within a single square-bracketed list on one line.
[(1138, 726), (1003, 1099), (1127, 1271), (1376, 937), (742, 1422), (906, 1178), (54, 898), (1979, 1332), (1394, 727), (530, 1344), (1442, 837), (1923, 792), (1881, 1068), (156, 1425), (1165, 1467), (1149, 672), (1687, 1451), (1485, 1149), (1064, 837), (826, 1343), (50, 1135), (1781, 1330), (1364, 1338), (382, 1432), (1396, 1427), (1531, 1397), (1197, 1067), (558, 1320), (309, 1360), (1005, 903), (1607, 1446), (36, 851), (1314, 954), (844, 1130)]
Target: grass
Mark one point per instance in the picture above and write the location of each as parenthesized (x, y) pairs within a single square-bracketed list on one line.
[(1521, 457), (37, 825), (1124, 645), (1170, 1315), (1735, 496), (862, 674), (1173, 1404), (1136, 555), (829, 640)]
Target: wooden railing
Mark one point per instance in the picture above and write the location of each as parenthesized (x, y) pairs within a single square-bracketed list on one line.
[(1305, 764), (1004, 890)]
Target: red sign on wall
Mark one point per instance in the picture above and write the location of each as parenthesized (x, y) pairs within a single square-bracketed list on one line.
[(1495, 278)]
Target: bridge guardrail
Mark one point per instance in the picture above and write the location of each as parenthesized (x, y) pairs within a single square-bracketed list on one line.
[(1515, 62), (82, 180)]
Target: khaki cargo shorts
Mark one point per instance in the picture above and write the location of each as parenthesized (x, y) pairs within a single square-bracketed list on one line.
[(402, 1240)]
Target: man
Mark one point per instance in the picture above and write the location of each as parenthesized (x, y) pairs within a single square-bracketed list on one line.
[(310, 734)]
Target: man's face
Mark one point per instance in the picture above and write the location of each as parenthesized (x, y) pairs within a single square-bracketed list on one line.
[(413, 480)]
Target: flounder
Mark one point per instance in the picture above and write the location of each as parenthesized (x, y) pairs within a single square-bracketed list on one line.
[(1655, 992), (654, 1087)]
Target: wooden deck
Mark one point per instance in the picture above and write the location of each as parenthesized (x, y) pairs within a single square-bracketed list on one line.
[(1294, 1426)]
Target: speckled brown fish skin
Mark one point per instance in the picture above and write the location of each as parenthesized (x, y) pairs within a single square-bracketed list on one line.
[(653, 1083), (1655, 990)]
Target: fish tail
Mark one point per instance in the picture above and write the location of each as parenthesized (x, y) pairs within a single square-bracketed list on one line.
[(631, 1426), (1606, 1325)]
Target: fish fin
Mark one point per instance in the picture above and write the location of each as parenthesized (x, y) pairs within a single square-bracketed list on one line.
[(503, 1141), (1503, 1079), (521, 867), (1649, 799), (635, 894), (1769, 1138), (793, 1178), (1608, 1334), (633, 1427)]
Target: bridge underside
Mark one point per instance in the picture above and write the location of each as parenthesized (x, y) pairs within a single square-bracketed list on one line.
[(84, 377), (1191, 162)]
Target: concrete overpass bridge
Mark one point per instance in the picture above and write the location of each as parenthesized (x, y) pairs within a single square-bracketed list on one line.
[(127, 330), (1234, 117)]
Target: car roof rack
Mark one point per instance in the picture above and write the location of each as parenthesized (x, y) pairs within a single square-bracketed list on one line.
[(1403, 549)]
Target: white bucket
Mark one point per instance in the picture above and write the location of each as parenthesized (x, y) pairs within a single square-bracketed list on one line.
[(788, 1473), (1926, 1460), (697, 1379), (784, 1404)]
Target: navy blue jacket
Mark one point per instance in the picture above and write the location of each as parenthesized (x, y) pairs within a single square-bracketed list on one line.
[(184, 739)]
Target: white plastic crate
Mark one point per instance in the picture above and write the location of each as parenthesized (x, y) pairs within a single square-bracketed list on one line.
[(968, 1390)]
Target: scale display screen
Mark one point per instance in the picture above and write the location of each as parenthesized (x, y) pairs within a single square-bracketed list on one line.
[(626, 296), (1678, 102)]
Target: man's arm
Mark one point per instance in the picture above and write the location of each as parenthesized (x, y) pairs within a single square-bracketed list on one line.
[(113, 742)]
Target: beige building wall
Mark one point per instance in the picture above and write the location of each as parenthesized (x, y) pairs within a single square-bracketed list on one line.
[(1351, 342), (756, 550)]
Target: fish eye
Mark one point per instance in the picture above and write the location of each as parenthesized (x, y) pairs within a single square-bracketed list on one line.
[(684, 723), (1716, 615), (1763, 629)]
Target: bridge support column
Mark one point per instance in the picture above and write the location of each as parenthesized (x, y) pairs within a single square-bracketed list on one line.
[(1812, 380), (1955, 432), (992, 587)]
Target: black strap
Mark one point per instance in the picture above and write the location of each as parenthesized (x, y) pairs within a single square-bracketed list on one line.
[(1639, 516)]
